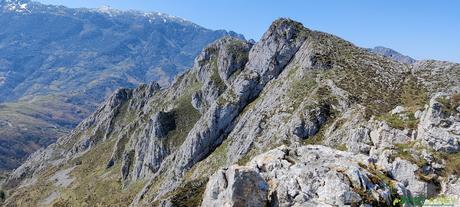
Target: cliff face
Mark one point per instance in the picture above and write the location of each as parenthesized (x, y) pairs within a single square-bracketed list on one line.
[(299, 118)]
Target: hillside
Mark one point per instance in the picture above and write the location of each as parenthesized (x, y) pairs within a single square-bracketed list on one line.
[(58, 64), (300, 118)]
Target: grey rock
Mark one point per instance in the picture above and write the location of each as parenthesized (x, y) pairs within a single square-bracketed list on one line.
[(215, 67), (351, 130), (404, 172), (308, 123), (451, 189), (236, 186), (279, 41), (311, 175), (162, 123), (439, 130), (383, 136)]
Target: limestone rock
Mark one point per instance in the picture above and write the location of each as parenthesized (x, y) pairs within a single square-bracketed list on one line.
[(437, 128), (236, 186), (451, 189), (404, 172), (311, 175), (308, 123)]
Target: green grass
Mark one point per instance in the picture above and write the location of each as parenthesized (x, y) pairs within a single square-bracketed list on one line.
[(300, 88), (189, 194), (397, 122), (342, 147), (411, 152), (452, 162), (414, 95), (185, 116), (216, 160), (94, 184)]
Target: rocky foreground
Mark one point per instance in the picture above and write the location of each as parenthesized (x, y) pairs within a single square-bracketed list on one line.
[(300, 118)]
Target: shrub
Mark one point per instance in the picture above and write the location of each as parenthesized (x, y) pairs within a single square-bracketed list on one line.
[(2, 195)]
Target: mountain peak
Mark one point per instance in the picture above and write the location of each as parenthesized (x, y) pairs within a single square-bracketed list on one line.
[(392, 54), (287, 27)]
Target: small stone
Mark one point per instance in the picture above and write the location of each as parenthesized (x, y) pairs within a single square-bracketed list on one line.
[(398, 110)]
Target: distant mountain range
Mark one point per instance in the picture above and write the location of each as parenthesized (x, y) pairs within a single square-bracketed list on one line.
[(57, 64)]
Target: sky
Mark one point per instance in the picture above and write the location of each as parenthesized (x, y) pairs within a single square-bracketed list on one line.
[(422, 29)]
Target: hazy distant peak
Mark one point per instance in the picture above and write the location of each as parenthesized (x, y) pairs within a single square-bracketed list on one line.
[(392, 54)]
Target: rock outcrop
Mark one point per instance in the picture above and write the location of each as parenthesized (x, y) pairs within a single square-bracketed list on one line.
[(440, 123), (236, 186), (304, 176)]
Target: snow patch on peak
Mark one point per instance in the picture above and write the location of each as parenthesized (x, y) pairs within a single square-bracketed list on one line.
[(109, 10), (19, 6), (152, 16)]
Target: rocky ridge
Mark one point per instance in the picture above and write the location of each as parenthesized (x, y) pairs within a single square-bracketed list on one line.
[(299, 118)]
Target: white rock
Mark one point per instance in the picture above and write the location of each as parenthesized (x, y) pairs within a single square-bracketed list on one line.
[(398, 110)]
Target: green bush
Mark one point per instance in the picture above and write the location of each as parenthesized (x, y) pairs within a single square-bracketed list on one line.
[(2, 195)]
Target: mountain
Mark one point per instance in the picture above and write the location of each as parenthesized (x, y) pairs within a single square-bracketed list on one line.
[(390, 53), (300, 118), (57, 64)]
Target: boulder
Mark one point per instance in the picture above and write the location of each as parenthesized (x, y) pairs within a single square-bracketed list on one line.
[(437, 129), (236, 186)]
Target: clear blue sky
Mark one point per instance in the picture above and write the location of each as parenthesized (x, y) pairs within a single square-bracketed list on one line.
[(422, 29)]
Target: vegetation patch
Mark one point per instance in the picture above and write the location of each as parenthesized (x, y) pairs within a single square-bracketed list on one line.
[(450, 104), (210, 164), (376, 177), (215, 77), (414, 95), (94, 184), (452, 162), (236, 49), (2, 196), (189, 194), (185, 116), (410, 151), (398, 122), (342, 147), (300, 88)]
